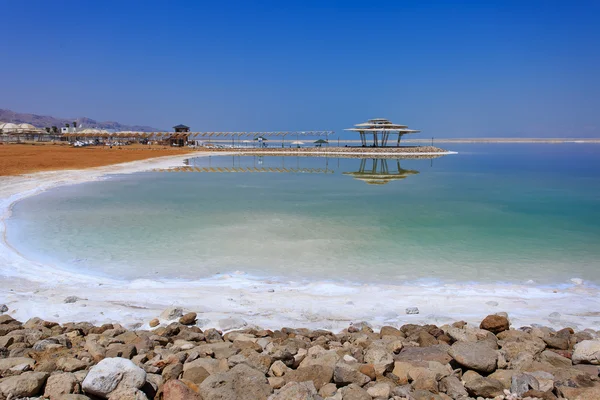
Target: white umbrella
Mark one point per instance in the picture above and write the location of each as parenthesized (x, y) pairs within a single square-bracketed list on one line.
[(297, 142)]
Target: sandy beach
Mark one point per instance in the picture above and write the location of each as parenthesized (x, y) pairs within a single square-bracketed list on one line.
[(17, 159)]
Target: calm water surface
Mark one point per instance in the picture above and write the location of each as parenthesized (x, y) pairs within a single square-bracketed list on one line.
[(493, 212)]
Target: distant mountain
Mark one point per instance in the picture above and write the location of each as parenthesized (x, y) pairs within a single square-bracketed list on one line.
[(42, 121)]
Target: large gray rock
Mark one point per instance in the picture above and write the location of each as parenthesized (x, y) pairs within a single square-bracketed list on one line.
[(296, 391), (587, 352), (485, 387), (60, 384), (478, 356), (112, 374), (345, 374), (240, 383), (25, 385)]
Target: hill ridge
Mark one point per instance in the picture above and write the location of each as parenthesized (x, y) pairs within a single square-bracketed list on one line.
[(43, 121)]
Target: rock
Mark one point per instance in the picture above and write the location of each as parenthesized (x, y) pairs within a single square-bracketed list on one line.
[(328, 390), (171, 313), (276, 382), (504, 376), (111, 374), (425, 339), (127, 351), (470, 376), (495, 324), (319, 375), (587, 352), (521, 383), (538, 394), (172, 371), (296, 391), (391, 331), (401, 371), (46, 344), (96, 351), (278, 368), (25, 385), (154, 323), (209, 364), (72, 299), (70, 364), (580, 393), (7, 319), (60, 384), (128, 394), (485, 387), (3, 308), (319, 356), (196, 375), (381, 359), (180, 390), (492, 303), (412, 310), (426, 382), (557, 342), (227, 324), (379, 390), (544, 379), (452, 386), (345, 374), (477, 356), (354, 392), (240, 383), (555, 360), (368, 370), (422, 355), (73, 397), (188, 319), (11, 362)]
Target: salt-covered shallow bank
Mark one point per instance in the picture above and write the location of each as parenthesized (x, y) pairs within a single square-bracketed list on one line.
[(33, 289)]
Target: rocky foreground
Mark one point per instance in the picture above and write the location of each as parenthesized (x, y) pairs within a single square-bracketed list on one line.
[(177, 360)]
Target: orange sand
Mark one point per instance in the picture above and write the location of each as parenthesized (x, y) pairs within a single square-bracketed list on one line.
[(16, 159)]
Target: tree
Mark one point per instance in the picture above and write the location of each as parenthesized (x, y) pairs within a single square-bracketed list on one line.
[(54, 129), (67, 125), (74, 124), (47, 129)]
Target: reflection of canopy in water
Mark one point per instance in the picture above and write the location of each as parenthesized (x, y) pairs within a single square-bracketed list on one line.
[(379, 173), (249, 169)]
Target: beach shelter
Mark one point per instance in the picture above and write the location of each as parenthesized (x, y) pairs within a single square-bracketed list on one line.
[(320, 142), (297, 143)]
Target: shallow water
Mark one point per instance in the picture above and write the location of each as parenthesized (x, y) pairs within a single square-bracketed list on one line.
[(493, 212)]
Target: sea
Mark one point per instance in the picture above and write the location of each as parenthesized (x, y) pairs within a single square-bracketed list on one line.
[(491, 213)]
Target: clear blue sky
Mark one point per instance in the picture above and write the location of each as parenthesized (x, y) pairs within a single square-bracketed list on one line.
[(451, 69)]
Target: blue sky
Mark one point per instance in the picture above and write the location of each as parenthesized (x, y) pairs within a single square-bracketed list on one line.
[(451, 69)]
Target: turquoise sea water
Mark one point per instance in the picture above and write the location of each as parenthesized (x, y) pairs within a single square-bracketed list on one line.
[(492, 213)]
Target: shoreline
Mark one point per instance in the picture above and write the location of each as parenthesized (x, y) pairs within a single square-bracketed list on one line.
[(34, 289)]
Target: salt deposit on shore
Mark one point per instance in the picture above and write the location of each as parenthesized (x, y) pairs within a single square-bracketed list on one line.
[(31, 289)]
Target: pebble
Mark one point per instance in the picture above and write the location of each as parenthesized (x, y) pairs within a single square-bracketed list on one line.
[(412, 310)]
